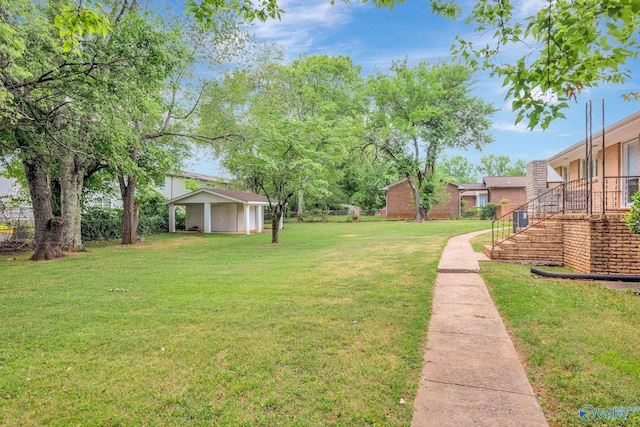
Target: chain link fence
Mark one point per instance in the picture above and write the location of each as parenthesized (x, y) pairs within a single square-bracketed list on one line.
[(16, 228)]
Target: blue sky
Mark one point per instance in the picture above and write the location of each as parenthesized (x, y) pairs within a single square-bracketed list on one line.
[(373, 38)]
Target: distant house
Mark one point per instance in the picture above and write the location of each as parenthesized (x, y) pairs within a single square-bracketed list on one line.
[(495, 189), (401, 204), (475, 195), (177, 183)]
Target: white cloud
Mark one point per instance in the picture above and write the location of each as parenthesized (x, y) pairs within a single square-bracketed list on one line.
[(510, 127), (529, 7), (303, 23)]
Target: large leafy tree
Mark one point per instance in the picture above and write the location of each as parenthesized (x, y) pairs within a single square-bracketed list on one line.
[(115, 99), (290, 126), (69, 112), (420, 111)]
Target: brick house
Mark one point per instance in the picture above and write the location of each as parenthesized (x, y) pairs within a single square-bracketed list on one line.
[(401, 204), (577, 200), (495, 189)]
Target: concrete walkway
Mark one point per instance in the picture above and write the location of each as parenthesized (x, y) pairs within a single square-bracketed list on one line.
[(472, 374)]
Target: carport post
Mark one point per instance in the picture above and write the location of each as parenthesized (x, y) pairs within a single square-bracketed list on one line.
[(172, 218), (259, 219), (247, 219), (207, 217)]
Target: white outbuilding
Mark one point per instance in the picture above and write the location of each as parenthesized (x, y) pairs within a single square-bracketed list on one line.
[(220, 211)]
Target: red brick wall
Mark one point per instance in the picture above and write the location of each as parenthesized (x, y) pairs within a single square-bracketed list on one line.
[(400, 203), (614, 249), (502, 210), (601, 245), (451, 207), (575, 243), (471, 202), (516, 196)]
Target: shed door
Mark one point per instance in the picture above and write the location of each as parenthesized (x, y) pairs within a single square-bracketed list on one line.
[(629, 171)]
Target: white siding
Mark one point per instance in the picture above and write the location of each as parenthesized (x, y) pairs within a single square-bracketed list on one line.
[(195, 216)]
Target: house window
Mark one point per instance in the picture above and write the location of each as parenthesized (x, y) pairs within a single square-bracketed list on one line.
[(565, 173), (482, 200), (594, 167)]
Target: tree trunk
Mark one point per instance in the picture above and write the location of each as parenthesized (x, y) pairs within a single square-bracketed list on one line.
[(421, 214), (300, 205), (130, 208), (71, 183), (47, 228), (275, 223)]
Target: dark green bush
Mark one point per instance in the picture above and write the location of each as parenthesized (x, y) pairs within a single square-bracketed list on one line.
[(106, 224), (152, 204), (101, 224), (148, 225), (488, 211)]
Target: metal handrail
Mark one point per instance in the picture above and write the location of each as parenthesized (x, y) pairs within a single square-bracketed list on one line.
[(525, 206), (573, 196)]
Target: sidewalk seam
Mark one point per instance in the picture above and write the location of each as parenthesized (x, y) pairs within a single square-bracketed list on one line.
[(481, 388)]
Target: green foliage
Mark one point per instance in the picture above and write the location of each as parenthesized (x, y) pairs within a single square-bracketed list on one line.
[(488, 211), (471, 212), (148, 225), (501, 165), (101, 224), (106, 224), (74, 21), (298, 124), (458, 169), (152, 204), (191, 184), (566, 46), (633, 217), (504, 201)]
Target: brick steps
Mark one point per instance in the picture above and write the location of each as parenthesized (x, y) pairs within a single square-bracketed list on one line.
[(541, 244)]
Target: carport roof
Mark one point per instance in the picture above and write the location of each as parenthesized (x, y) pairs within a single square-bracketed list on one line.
[(232, 196)]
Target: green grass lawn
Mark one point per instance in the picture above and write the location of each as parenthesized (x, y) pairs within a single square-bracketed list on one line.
[(581, 341), (327, 327)]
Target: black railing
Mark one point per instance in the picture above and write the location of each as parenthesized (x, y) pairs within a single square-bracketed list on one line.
[(579, 196)]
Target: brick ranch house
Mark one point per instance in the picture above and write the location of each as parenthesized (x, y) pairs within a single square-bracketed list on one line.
[(495, 189), (577, 200), (400, 203)]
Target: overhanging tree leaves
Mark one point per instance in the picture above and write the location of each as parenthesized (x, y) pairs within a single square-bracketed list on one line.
[(567, 45)]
